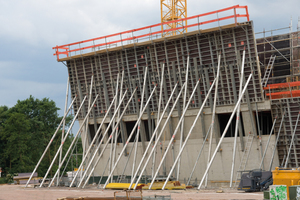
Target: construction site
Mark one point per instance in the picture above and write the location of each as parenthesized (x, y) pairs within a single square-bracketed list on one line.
[(191, 102)]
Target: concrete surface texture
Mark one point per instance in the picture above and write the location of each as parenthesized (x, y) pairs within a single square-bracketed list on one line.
[(18, 192)]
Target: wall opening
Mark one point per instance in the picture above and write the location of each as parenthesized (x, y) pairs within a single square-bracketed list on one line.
[(93, 132), (149, 129), (129, 128), (223, 119), (265, 122), (119, 140), (109, 132)]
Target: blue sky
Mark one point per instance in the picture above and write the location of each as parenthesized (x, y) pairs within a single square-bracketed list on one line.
[(29, 29)]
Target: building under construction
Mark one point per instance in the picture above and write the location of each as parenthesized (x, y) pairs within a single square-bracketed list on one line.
[(172, 103)]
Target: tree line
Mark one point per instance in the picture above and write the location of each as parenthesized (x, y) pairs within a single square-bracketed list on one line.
[(25, 131)]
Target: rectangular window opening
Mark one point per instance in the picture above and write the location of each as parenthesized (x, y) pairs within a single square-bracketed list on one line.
[(109, 132), (129, 127), (265, 122), (119, 140), (149, 129), (93, 132), (223, 120)]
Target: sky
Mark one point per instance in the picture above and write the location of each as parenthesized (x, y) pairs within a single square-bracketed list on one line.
[(29, 29)]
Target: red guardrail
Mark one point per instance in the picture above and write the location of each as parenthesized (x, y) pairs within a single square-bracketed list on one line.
[(282, 85), (145, 33), (285, 94), (283, 90)]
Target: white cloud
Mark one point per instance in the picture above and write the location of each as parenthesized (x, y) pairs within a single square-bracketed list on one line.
[(57, 22), (29, 27), (10, 68)]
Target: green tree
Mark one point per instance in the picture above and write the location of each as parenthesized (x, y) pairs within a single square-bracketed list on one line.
[(15, 133), (25, 131), (3, 117)]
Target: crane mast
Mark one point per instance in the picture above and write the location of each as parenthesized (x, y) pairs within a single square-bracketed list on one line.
[(173, 10)]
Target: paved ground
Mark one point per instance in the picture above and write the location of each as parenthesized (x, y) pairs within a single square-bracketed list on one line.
[(19, 192)]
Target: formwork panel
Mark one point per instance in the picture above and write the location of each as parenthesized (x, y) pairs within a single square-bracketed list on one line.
[(202, 50), (290, 107)]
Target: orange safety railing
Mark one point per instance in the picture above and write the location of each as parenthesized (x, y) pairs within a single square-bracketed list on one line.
[(283, 90), (147, 33)]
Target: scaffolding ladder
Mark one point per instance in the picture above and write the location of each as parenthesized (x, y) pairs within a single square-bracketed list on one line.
[(268, 71), (245, 157)]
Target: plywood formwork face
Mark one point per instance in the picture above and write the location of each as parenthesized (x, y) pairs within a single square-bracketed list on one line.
[(296, 55), (278, 45), (202, 48), (286, 49)]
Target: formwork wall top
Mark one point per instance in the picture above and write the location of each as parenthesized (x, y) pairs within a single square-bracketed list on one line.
[(202, 49), (220, 18)]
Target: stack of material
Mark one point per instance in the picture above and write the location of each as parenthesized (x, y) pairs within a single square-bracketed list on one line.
[(171, 185), (122, 186)]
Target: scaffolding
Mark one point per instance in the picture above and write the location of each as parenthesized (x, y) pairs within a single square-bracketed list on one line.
[(142, 89)]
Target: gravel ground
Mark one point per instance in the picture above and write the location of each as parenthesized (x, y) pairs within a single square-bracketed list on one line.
[(18, 192)]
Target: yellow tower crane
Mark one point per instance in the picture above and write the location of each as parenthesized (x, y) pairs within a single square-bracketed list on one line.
[(173, 10)]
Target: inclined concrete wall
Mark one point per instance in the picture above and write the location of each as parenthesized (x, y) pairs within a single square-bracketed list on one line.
[(221, 167)]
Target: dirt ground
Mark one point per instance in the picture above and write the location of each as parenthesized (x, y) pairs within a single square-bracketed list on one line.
[(18, 192)]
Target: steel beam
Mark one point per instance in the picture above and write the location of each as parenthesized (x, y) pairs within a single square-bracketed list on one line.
[(156, 136), (66, 135), (174, 134), (213, 115), (237, 121), (190, 131), (109, 139), (70, 147), (131, 134), (223, 135), (51, 140)]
